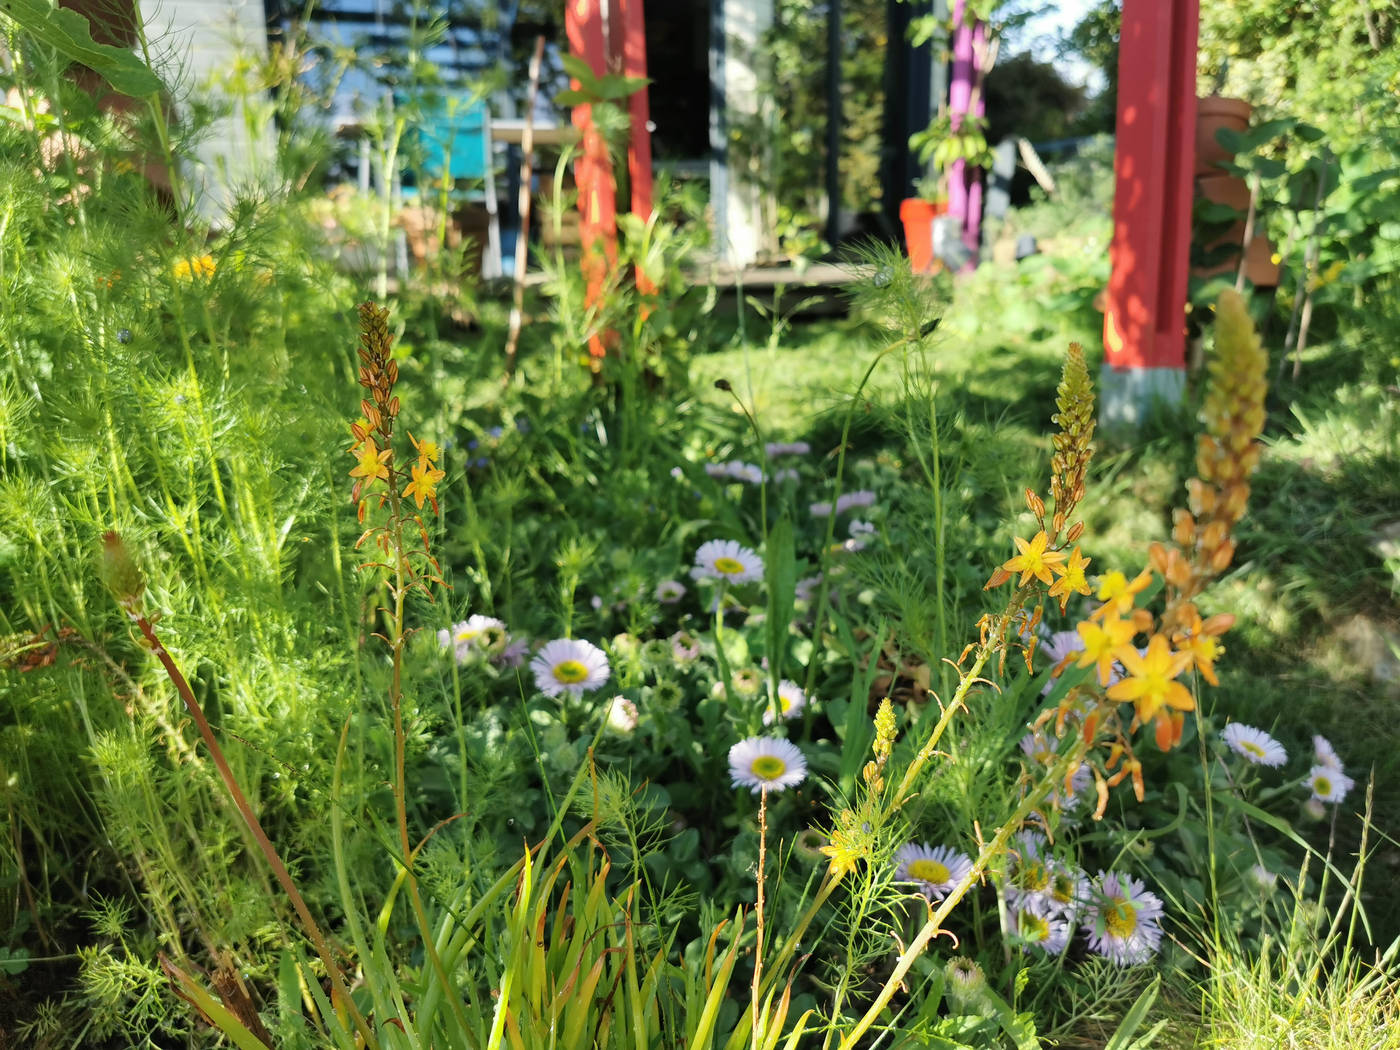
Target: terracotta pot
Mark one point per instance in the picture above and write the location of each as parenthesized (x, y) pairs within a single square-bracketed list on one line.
[(1260, 268), (917, 215), (1212, 114)]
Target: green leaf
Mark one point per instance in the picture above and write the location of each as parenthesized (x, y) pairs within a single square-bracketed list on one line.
[(1122, 1038), (570, 97), (578, 68), (780, 570), (70, 34)]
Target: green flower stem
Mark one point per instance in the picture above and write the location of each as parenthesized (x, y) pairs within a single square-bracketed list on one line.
[(995, 640), (989, 852), (269, 851)]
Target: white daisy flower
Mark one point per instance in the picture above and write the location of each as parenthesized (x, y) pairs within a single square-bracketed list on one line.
[(791, 701), (1028, 875), (622, 715), (759, 762), (1037, 926), (785, 474), (859, 498), (728, 561), (569, 665), (859, 528), (1329, 783), (1068, 890), (1254, 745), (774, 449), (668, 592), (934, 869), (474, 635), (1324, 754), (1054, 651), (1124, 923)]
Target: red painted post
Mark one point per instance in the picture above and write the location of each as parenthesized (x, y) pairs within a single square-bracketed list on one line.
[(583, 23), (634, 64), (1144, 319)]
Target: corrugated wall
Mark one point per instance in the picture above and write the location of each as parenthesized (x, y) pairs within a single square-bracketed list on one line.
[(199, 42)]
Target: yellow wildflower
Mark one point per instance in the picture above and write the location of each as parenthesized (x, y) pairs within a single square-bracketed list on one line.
[(1119, 594), (424, 483), (372, 462), (1034, 560), (1071, 579), (190, 268), (1103, 644), (1150, 683)]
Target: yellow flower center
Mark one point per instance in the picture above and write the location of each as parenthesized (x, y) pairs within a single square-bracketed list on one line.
[(1120, 919), (1322, 785), (929, 871), (467, 634), (570, 672), (1254, 749), (1033, 876), (784, 703), (729, 566), (768, 767), (1033, 927)]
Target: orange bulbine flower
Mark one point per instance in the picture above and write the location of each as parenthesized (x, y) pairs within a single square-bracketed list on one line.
[(372, 462), (424, 483), (1034, 559), (1199, 641), (1103, 644), (1071, 579), (1150, 683), (1118, 594)]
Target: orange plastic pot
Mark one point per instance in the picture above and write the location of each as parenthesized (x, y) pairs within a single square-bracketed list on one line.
[(917, 215)]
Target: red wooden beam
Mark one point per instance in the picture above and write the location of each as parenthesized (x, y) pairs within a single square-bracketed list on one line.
[(1144, 319), (593, 175)]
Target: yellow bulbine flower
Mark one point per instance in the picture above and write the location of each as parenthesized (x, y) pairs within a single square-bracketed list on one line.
[(1034, 559), (1103, 644), (188, 269), (1071, 579), (1119, 594), (424, 483), (371, 462), (1151, 684), (429, 450)]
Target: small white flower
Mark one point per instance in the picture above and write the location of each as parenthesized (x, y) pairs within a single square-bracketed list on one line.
[(791, 701), (728, 561), (474, 636), (859, 498), (806, 588), (859, 528), (820, 510), (569, 665), (784, 474), (1329, 783), (1124, 923), (1324, 754), (1038, 926), (1263, 879), (934, 869), (774, 449), (1254, 745), (770, 763), (622, 715), (668, 592)]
